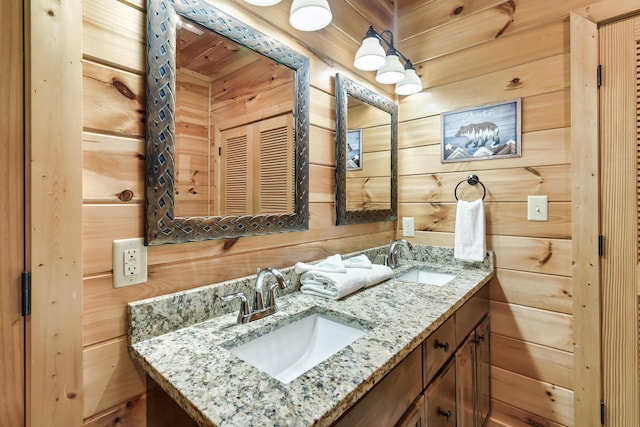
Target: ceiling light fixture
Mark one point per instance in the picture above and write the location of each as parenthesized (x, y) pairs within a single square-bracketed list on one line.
[(305, 15), (371, 57), (310, 15), (263, 2)]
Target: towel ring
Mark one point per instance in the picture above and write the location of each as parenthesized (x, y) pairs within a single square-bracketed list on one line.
[(471, 180)]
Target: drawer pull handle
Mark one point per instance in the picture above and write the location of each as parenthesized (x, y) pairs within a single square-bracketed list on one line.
[(479, 340), (443, 413), (442, 345)]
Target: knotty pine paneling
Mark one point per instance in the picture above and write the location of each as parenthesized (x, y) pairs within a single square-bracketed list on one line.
[(113, 33), (504, 415), (503, 185), (540, 42), (543, 291), (536, 148), (112, 169), (543, 363), (547, 400), (110, 376), (131, 413), (501, 218), (113, 99), (520, 81)]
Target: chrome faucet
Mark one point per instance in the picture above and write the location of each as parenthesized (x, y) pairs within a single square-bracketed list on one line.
[(246, 313), (392, 257), (281, 283)]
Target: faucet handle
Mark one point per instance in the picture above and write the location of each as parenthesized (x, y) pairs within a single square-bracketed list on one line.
[(245, 309)]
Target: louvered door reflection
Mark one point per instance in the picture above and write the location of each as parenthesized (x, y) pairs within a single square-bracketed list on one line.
[(258, 175), (276, 168), (235, 178)]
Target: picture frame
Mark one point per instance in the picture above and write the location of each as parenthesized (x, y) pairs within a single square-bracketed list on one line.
[(354, 149), (485, 132)]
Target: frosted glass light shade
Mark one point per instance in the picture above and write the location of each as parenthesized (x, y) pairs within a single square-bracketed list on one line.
[(411, 83), (370, 56), (392, 72), (310, 15), (262, 2)]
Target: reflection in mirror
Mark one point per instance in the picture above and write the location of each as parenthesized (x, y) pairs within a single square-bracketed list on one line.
[(227, 127), (366, 154), (225, 146)]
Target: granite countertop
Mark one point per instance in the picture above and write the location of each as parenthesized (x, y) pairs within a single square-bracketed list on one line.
[(216, 388)]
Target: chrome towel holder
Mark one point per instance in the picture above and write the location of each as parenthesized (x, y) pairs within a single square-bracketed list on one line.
[(471, 180)]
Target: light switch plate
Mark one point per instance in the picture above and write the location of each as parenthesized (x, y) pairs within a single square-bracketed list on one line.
[(538, 208), (129, 262), (408, 226)]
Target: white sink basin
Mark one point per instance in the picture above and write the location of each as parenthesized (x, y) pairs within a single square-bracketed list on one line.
[(426, 277), (292, 350)]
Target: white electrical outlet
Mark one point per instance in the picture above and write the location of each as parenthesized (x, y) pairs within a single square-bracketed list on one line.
[(537, 208), (129, 262), (408, 226)]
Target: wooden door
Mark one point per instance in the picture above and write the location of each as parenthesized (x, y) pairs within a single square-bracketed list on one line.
[(12, 377), (620, 222)]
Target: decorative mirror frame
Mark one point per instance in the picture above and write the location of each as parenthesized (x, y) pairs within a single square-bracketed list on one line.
[(161, 225), (345, 88)]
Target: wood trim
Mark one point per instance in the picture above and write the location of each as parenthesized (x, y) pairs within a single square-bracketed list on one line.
[(585, 227), (12, 228), (584, 133), (54, 253)]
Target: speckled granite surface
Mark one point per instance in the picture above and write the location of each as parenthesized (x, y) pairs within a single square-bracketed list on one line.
[(180, 340)]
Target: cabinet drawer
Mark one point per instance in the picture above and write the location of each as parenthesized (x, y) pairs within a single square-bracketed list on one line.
[(388, 400), (470, 314), (441, 398), (439, 346)]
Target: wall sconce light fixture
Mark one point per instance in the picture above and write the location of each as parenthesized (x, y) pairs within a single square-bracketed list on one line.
[(305, 15), (372, 57)]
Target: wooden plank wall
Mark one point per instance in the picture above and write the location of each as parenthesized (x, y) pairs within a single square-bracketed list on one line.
[(469, 54), (113, 42)]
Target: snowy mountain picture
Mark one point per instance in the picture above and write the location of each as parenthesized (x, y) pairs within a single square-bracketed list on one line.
[(487, 132)]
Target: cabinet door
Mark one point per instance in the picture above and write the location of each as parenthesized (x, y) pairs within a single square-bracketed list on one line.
[(415, 416), (465, 376), (385, 404), (483, 372), (441, 398)]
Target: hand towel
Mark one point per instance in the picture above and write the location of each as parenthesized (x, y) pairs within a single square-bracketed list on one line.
[(377, 274), (330, 264), (360, 261), (331, 285), (470, 231)]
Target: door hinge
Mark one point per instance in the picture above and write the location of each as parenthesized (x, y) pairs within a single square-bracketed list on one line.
[(219, 151), (602, 412), (600, 245), (26, 293), (599, 75)]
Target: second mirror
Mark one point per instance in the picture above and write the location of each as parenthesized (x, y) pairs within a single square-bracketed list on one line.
[(366, 154)]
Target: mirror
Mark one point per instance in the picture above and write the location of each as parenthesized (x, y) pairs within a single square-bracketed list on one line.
[(227, 127), (366, 154)]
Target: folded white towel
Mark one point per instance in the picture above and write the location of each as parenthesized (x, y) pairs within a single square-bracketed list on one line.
[(330, 264), (470, 231), (360, 261), (375, 275), (331, 285)]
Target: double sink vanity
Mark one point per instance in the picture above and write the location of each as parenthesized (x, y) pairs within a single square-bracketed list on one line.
[(381, 356)]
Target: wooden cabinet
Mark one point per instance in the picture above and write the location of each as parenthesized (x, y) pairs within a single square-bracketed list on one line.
[(441, 398), (442, 383), (473, 377), (415, 415), (386, 403)]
